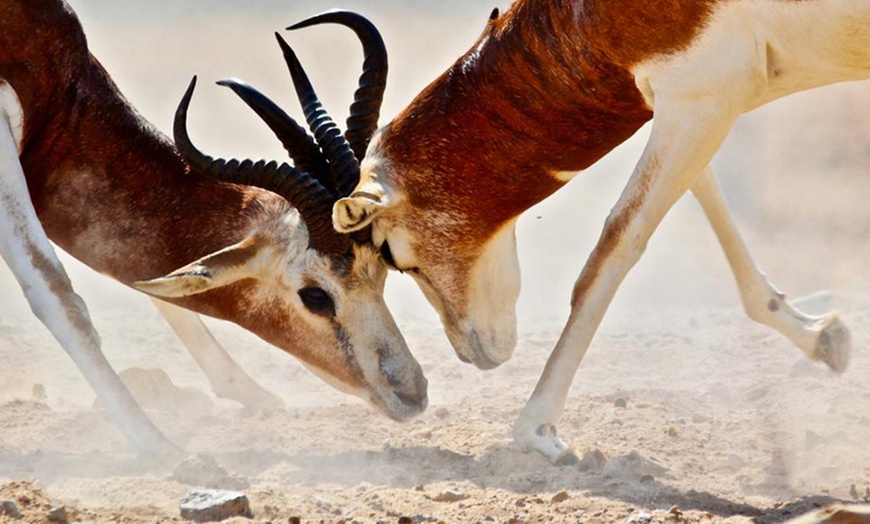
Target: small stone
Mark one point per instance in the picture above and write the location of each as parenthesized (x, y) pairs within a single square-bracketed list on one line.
[(204, 471), (675, 512), (672, 431), (294, 520), (647, 478), (405, 520), (442, 413), (419, 487), (204, 505), (58, 514), (562, 496), (620, 403), (450, 495), (9, 509), (639, 518)]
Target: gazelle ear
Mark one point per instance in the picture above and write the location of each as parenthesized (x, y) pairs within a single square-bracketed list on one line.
[(218, 269), (360, 208)]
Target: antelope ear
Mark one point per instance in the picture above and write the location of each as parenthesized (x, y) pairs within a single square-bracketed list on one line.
[(212, 271), (360, 208)]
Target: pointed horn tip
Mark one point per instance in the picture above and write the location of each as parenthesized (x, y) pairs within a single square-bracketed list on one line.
[(494, 14), (319, 18), (230, 82)]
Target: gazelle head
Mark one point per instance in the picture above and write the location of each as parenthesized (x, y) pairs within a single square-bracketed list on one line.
[(466, 267), (304, 287), (442, 197)]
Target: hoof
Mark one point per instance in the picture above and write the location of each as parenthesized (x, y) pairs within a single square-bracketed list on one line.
[(834, 345)]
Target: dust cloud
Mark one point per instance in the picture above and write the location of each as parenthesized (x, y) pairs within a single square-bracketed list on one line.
[(740, 421)]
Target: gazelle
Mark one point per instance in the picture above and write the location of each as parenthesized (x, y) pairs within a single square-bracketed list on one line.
[(79, 166), (548, 89)]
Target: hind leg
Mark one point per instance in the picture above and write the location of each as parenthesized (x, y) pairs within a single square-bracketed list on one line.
[(822, 338), (227, 379)]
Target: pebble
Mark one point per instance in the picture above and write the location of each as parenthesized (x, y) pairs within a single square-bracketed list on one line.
[(639, 518), (9, 509), (204, 505), (562, 496), (58, 514), (450, 495), (620, 403), (442, 413)]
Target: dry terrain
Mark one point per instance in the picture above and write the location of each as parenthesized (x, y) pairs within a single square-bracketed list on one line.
[(702, 415)]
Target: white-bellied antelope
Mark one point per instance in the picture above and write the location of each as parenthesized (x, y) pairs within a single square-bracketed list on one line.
[(79, 166), (548, 89)]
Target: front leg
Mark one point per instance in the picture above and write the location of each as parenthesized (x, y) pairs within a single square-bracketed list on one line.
[(31, 257), (685, 135), (822, 338), (227, 379)]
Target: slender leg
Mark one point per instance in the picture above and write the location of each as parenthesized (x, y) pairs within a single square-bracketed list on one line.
[(685, 135), (824, 338), (31, 257), (227, 379)]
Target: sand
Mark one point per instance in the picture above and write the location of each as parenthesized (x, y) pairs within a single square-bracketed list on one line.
[(700, 414)]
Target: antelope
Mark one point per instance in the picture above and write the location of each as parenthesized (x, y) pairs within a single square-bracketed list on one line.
[(548, 89), (79, 166)]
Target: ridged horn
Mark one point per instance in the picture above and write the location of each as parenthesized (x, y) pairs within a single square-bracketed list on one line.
[(295, 138), (335, 147), (307, 195), (369, 96)]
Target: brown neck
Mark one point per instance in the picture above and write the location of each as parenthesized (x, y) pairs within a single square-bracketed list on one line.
[(531, 98), (109, 188)]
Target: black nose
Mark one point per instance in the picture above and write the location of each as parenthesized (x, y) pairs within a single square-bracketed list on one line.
[(415, 394)]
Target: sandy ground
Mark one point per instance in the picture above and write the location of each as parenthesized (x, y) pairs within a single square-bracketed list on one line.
[(694, 407)]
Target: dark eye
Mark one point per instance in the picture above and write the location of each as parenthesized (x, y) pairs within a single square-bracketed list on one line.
[(317, 301), (387, 255)]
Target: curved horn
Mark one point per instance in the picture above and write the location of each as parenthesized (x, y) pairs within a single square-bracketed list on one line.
[(336, 148), (306, 194), (295, 139), (369, 95)]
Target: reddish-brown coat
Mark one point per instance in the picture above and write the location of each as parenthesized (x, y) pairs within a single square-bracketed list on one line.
[(547, 88), (132, 213)]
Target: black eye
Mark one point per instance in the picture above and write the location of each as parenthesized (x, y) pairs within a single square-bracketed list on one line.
[(387, 255), (317, 301)]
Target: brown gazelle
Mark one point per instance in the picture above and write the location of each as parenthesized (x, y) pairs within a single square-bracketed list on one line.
[(79, 166), (547, 90)]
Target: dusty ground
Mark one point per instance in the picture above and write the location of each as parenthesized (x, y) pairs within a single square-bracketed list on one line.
[(694, 406)]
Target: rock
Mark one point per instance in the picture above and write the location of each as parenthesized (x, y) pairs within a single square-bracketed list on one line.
[(204, 471), (633, 466), (450, 495), (442, 413), (58, 514), (9, 509), (562, 496), (153, 389), (205, 505), (639, 518), (620, 403)]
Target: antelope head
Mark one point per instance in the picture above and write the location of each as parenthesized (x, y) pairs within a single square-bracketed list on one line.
[(441, 194), (321, 290)]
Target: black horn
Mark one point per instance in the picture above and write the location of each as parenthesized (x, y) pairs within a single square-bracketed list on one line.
[(341, 158), (306, 194), (295, 139), (369, 95)]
